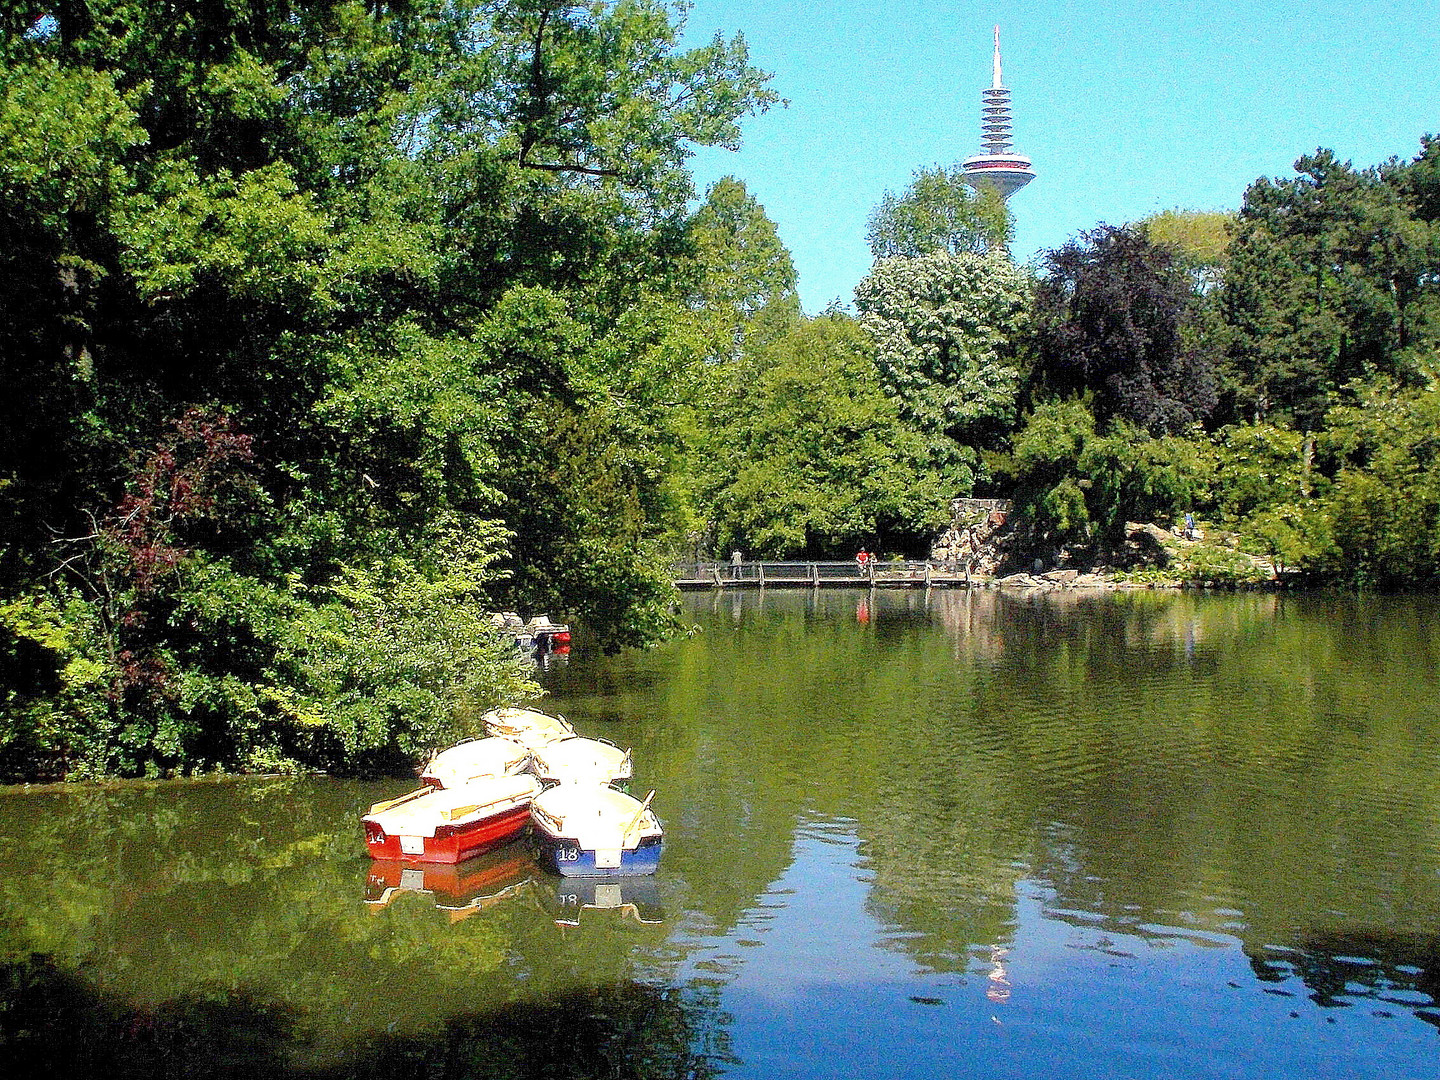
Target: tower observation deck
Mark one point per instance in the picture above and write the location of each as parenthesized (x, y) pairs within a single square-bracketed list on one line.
[(996, 166)]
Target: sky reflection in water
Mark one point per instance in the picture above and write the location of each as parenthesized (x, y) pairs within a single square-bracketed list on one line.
[(1154, 835)]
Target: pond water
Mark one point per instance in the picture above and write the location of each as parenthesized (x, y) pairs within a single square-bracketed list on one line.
[(1063, 834)]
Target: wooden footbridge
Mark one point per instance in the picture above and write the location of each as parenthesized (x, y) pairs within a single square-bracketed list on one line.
[(819, 575)]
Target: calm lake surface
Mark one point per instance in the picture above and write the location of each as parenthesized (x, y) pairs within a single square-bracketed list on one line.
[(995, 835)]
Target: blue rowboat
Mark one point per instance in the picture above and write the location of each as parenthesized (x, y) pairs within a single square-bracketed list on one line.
[(585, 830)]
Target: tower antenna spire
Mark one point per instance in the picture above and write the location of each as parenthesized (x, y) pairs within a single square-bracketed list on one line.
[(997, 84)]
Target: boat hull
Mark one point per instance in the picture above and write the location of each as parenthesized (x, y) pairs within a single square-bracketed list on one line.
[(566, 856), (451, 843)]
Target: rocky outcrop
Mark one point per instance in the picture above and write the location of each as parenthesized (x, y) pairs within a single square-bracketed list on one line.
[(971, 543)]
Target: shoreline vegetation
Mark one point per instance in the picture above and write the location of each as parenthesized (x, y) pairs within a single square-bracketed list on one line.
[(334, 327)]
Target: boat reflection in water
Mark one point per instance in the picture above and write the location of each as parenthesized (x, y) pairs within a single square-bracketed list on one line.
[(461, 889), (511, 874), (633, 900)]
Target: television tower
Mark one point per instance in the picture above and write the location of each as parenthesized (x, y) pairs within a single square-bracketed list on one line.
[(995, 166)]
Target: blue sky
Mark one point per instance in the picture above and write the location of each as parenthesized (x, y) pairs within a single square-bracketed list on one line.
[(1125, 108)]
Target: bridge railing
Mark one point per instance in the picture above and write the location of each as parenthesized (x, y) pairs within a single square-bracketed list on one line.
[(717, 572)]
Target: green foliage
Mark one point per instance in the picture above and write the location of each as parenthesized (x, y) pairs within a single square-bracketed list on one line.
[(429, 262), (1259, 466), (741, 266), (54, 696), (939, 212), (1384, 507), (1200, 240), (1331, 279), (1069, 479), (393, 663), (947, 329), (810, 458), (1214, 565), (1135, 478), (1042, 469), (1290, 535)]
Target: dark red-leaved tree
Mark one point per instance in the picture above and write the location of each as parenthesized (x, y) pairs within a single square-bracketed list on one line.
[(1112, 317), (174, 496)]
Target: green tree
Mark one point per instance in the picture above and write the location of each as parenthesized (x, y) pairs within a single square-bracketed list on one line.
[(413, 253), (1384, 504), (1200, 240), (947, 329), (939, 212), (1331, 279), (807, 457), (741, 265), (1071, 480)]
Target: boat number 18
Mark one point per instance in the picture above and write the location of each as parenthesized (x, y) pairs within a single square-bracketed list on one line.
[(567, 854)]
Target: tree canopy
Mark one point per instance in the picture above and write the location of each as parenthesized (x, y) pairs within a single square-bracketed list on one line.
[(1111, 315), (948, 329), (425, 263), (939, 212)]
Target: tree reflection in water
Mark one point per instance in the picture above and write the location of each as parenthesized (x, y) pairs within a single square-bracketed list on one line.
[(54, 1022), (1377, 968), (1137, 799)]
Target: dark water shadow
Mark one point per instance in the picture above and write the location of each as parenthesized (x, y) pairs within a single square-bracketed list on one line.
[(54, 1022), (1394, 973)]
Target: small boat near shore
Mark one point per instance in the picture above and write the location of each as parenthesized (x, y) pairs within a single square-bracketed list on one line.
[(540, 636), (530, 728), (581, 761), (473, 759), (585, 830), (446, 825)]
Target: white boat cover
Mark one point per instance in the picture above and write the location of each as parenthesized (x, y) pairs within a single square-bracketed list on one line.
[(598, 817), (421, 812), (475, 758), (581, 761), (529, 727)]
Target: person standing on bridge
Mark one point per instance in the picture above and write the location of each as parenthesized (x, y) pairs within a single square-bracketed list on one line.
[(735, 560)]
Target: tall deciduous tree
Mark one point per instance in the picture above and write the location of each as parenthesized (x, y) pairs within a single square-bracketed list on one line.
[(412, 251), (1111, 314), (739, 265), (1200, 240), (946, 329), (939, 212), (807, 456)]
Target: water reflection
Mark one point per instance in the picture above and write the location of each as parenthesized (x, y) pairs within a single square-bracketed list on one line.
[(1057, 833), (619, 901), (459, 889)]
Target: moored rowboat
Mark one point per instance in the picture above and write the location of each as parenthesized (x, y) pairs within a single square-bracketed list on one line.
[(581, 761), (446, 825), (588, 830), (475, 758), (528, 727)]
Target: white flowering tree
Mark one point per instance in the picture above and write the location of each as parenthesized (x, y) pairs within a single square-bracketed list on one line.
[(947, 328)]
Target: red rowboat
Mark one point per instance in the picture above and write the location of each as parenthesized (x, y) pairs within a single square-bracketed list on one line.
[(445, 825)]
